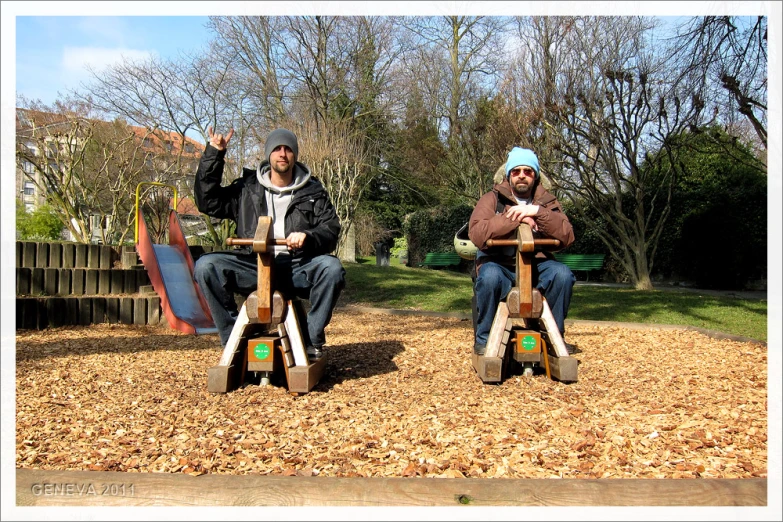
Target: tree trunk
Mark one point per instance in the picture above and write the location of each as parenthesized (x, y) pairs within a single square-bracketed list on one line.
[(346, 251), (641, 272), (643, 282)]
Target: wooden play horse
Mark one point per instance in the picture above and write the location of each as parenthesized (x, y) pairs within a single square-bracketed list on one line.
[(520, 318), (267, 336)]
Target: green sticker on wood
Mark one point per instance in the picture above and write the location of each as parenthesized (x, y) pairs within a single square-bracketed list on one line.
[(529, 342), (262, 351)]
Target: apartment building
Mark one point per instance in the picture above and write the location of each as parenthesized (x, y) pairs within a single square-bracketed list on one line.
[(167, 157)]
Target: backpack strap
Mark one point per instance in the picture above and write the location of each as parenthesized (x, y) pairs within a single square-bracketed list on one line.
[(499, 205)]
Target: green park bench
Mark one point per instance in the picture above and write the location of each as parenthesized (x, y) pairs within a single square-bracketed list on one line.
[(440, 259), (582, 262)]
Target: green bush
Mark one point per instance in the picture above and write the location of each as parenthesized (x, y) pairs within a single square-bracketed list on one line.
[(716, 234), (400, 244), (432, 230), (586, 239), (39, 225)]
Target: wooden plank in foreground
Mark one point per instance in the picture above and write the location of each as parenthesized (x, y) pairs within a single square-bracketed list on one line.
[(499, 332), (302, 379), (109, 488), (489, 369)]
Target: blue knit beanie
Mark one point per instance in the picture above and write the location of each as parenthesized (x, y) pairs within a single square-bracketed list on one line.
[(519, 157), (281, 137)]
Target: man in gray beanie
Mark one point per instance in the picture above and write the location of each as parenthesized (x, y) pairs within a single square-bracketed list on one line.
[(281, 137), (302, 214), (519, 198)]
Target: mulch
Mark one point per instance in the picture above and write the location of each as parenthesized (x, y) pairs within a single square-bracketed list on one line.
[(399, 398)]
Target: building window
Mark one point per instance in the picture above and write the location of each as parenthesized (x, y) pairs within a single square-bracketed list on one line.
[(189, 148), (29, 188), (147, 143), (28, 167), (96, 221)]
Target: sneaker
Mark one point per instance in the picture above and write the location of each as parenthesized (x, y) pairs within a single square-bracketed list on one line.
[(479, 349), (315, 352), (572, 349)]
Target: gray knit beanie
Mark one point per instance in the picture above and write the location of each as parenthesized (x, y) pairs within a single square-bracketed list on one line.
[(281, 137)]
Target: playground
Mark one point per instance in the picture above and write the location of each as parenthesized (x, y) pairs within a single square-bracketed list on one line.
[(398, 395), (398, 398)]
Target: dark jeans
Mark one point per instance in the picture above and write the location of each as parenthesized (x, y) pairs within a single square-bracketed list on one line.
[(553, 279), (320, 280)]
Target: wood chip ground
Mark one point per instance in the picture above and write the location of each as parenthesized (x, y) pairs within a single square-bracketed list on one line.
[(399, 398)]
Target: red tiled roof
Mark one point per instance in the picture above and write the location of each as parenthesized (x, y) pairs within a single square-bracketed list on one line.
[(186, 206), (27, 117), (158, 138)]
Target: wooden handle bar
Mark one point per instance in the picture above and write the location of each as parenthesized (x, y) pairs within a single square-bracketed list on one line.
[(540, 243), (238, 241)]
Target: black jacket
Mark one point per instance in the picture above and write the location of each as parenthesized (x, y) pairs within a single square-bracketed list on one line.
[(244, 200)]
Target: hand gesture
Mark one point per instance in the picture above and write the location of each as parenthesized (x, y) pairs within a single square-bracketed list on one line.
[(219, 141)]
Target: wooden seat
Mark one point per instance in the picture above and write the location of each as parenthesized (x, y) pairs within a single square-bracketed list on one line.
[(267, 334), (525, 321)]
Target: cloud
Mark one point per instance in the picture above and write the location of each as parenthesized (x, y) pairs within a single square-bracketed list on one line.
[(104, 28), (76, 59)]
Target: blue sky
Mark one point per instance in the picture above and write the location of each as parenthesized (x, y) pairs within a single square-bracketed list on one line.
[(52, 51), (49, 53)]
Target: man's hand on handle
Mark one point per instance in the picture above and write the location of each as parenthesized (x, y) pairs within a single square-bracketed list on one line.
[(523, 214), (295, 240)]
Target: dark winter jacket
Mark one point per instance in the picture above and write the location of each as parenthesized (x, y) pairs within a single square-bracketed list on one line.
[(488, 222), (244, 201)]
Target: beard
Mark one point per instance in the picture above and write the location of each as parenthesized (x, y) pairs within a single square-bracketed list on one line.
[(281, 168), (523, 189)]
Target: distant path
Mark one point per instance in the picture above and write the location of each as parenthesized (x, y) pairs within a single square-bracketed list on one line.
[(760, 295)]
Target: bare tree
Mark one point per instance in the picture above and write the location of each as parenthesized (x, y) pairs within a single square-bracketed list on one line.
[(535, 82), (613, 118), (250, 44), (728, 54), (454, 65), (317, 52), (321, 75), (86, 168), (184, 95), (458, 57), (341, 161)]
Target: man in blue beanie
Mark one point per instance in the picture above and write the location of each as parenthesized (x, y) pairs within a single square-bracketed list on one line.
[(519, 198), (302, 214)]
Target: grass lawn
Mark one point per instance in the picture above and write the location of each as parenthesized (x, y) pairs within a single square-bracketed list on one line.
[(401, 287)]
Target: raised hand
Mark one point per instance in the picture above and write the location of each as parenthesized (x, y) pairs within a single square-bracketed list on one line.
[(219, 141)]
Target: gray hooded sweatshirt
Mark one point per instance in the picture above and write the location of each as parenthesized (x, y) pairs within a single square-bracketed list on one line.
[(278, 198)]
